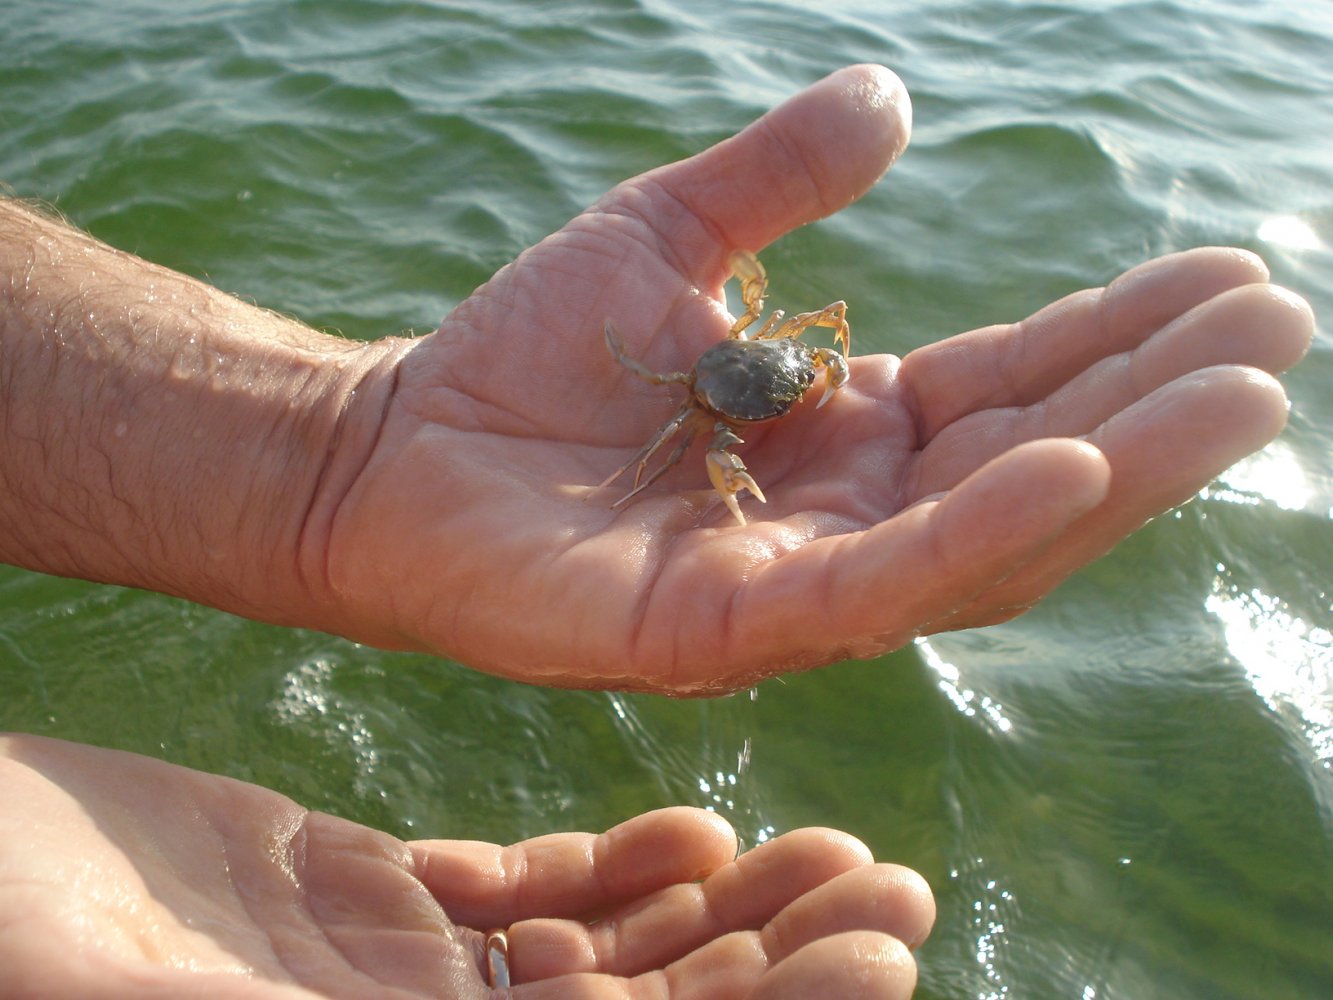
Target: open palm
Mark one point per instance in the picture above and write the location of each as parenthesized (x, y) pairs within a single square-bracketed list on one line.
[(125, 876), (951, 489)]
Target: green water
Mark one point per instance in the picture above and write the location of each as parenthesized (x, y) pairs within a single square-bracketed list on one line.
[(1126, 793)]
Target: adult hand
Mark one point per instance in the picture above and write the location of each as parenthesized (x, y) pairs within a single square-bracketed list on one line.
[(441, 493), (951, 490), (123, 876)]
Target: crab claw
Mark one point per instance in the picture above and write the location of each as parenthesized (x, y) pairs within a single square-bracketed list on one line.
[(728, 473), (835, 375)]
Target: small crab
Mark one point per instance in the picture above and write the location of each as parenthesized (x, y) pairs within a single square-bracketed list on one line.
[(745, 379)]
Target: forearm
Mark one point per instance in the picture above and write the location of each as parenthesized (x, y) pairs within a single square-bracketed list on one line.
[(158, 433)]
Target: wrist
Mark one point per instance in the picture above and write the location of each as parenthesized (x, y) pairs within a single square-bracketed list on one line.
[(159, 433)]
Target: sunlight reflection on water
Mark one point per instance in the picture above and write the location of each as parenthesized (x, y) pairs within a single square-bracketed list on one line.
[(1274, 474), (990, 908), (1290, 233), (309, 702), (966, 700), (1288, 661)]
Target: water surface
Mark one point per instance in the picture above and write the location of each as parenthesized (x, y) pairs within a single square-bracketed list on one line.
[(1126, 793)]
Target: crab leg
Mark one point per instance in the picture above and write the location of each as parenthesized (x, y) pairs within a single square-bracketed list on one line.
[(661, 470), (754, 282), (765, 331), (617, 349), (728, 473), (642, 456), (832, 317)]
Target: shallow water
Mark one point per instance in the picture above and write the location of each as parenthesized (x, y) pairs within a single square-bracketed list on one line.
[(1126, 793)]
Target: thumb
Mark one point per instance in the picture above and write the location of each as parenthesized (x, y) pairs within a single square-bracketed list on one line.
[(807, 158)]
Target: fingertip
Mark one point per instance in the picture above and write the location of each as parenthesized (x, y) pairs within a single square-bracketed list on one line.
[(717, 831), (1246, 265), (850, 127), (878, 94), (1294, 326), (850, 966), (1014, 506), (1085, 472), (1225, 267), (1238, 405), (1148, 296), (807, 158), (838, 850), (1056, 480), (887, 898), (1171, 443), (666, 846), (917, 901)]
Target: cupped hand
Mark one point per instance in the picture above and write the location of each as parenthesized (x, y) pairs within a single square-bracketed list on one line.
[(951, 489), (123, 876)]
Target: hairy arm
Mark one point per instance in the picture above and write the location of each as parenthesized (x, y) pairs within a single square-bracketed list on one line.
[(158, 433)]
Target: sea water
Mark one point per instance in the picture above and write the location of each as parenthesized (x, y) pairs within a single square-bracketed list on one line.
[(1126, 793)]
